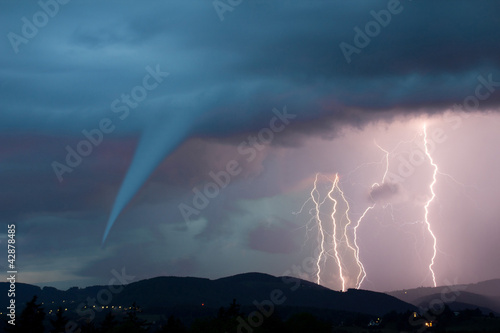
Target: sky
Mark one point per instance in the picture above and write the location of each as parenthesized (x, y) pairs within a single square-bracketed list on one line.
[(200, 138)]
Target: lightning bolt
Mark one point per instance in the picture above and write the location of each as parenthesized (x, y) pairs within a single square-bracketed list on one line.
[(334, 237), (386, 163), (354, 248), (362, 272), (433, 195), (317, 205), (352, 245), (335, 194)]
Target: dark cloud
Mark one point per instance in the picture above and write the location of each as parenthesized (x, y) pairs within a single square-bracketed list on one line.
[(384, 192), (427, 57)]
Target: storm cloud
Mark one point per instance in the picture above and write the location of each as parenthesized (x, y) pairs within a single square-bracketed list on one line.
[(90, 73)]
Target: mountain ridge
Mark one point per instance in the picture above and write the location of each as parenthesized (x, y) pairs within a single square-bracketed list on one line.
[(248, 289), (484, 295)]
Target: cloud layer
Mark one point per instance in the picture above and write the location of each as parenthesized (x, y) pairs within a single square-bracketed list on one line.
[(84, 65)]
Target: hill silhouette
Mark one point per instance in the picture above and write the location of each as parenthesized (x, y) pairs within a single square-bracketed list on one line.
[(483, 295), (160, 293), (251, 287)]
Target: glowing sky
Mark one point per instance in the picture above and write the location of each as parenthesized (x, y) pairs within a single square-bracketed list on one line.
[(204, 87)]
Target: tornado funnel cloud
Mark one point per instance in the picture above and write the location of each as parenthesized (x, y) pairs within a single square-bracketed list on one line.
[(156, 143)]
